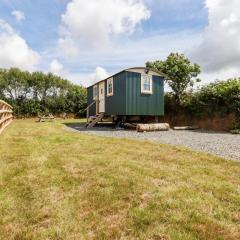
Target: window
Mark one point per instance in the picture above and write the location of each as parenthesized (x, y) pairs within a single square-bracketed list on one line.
[(146, 84), (110, 87), (95, 92)]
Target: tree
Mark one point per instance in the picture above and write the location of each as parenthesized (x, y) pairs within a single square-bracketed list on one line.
[(34, 93), (76, 100), (180, 73)]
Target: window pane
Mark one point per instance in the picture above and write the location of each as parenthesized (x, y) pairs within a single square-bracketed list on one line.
[(146, 87), (94, 92), (147, 83), (110, 86)]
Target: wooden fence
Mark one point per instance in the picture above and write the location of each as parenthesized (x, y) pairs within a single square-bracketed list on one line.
[(6, 115)]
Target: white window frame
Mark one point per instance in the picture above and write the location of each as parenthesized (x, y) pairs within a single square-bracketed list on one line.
[(143, 77), (95, 92), (110, 80)]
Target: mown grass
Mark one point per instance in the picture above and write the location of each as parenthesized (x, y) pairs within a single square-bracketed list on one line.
[(57, 184)]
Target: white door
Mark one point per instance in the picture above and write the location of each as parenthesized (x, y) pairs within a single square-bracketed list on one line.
[(101, 97)]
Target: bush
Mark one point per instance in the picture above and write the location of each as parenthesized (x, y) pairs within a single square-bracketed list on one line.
[(219, 97)]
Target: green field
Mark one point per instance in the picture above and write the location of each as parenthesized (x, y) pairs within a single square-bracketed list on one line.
[(58, 184)]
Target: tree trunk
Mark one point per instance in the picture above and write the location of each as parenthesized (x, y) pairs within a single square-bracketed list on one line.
[(153, 127)]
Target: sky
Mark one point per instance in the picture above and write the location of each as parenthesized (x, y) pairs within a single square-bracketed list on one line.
[(86, 41)]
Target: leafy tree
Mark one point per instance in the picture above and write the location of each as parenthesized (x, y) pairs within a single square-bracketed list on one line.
[(76, 100), (37, 92), (180, 73)]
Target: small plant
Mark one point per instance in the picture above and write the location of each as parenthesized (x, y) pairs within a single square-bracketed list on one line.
[(236, 127), (236, 131)]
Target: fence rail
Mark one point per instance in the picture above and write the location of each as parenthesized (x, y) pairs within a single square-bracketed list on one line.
[(6, 115)]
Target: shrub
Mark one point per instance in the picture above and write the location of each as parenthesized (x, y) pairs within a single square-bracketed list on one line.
[(221, 96)]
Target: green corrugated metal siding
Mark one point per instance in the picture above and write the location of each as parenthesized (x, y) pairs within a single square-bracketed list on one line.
[(144, 104), (127, 98), (116, 104), (92, 110)]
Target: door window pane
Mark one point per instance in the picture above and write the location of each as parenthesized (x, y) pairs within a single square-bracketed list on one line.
[(95, 92), (110, 87)]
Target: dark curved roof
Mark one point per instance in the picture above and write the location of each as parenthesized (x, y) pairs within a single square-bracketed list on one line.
[(131, 69), (150, 69)]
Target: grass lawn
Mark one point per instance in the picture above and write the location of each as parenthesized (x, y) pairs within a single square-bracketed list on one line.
[(58, 184)]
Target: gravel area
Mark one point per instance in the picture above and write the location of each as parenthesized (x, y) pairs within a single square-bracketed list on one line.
[(221, 144)]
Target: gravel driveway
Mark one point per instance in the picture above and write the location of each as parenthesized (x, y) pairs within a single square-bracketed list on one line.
[(222, 144)]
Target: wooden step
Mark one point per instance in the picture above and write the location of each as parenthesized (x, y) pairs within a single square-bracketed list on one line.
[(94, 120)]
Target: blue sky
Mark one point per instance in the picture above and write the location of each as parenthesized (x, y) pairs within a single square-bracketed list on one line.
[(43, 17), (40, 28), (86, 40)]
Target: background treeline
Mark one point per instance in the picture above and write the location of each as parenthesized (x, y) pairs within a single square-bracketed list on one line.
[(36, 93), (220, 97)]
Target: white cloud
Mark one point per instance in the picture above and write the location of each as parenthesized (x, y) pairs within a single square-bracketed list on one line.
[(99, 74), (56, 67), (136, 52), (14, 51), (77, 78), (219, 51), (68, 48), (18, 15), (92, 23), (107, 23), (224, 74), (85, 78), (127, 53)]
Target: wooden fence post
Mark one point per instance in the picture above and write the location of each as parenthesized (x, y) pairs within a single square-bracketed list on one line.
[(6, 115)]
